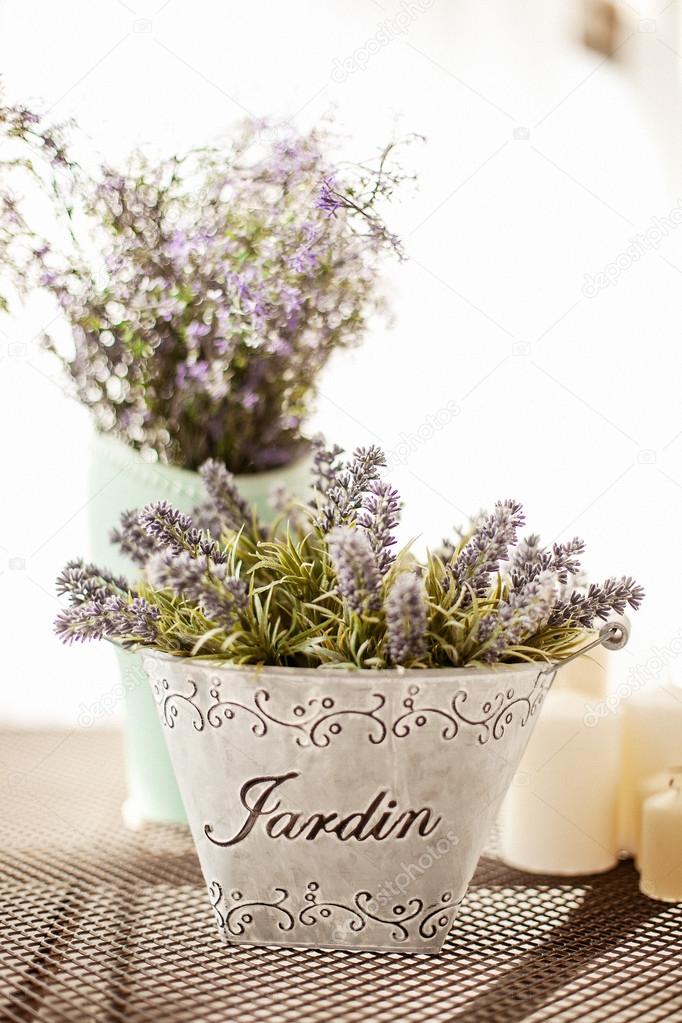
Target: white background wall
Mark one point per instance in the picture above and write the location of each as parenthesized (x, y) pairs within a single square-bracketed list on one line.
[(543, 161)]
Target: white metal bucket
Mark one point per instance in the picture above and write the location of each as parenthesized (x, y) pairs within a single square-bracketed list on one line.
[(339, 808)]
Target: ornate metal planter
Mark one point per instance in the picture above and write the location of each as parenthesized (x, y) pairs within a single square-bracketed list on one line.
[(342, 808)]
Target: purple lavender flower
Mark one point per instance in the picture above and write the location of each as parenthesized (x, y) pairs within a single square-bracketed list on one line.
[(519, 617), (201, 581), (34, 153), (133, 621), (226, 291), (83, 582), (180, 572), (133, 539), (328, 198), (564, 559), (488, 546), (230, 507), (174, 530), (379, 515), (601, 600), (530, 559), (356, 568), (344, 496), (222, 601), (406, 619), (525, 560), (327, 465)]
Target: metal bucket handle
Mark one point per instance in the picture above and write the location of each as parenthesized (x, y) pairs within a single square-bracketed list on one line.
[(612, 636)]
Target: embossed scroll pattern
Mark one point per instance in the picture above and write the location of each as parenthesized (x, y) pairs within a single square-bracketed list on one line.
[(317, 721), (414, 919)]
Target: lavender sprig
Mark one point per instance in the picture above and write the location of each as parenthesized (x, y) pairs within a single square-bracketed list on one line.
[(133, 539), (356, 568), (175, 531), (343, 498), (488, 546), (134, 621), (406, 619), (201, 580), (600, 601), (486, 602), (34, 154), (230, 508), (519, 617), (327, 465), (525, 561), (328, 198), (530, 559), (379, 515), (83, 582)]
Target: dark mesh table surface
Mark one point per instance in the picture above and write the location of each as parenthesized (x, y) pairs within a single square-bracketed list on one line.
[(101, 924)]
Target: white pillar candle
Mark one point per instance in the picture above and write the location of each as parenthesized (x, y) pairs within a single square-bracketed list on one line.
[(649, 786), (651, 741), (560, 814), (588, 674), (661, 848)]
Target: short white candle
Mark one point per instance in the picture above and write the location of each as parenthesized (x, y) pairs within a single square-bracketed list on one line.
[(651, 741), (560, 814), (649, 786), (661, 849)]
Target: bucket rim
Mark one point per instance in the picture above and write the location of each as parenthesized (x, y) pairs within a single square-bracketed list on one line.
[(262, 671)]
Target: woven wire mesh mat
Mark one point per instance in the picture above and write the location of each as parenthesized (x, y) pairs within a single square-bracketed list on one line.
[(98, 923)]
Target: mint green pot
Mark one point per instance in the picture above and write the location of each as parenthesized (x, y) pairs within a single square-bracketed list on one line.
[(120, 480)]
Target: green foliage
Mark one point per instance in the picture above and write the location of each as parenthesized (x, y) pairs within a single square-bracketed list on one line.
[(323, 586), (296, 617)]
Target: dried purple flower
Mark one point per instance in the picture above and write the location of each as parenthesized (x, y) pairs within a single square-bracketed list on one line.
[(202, 581), (222, 600), (464, 609), (327, 465), (174, 530), (379, 515), (134, 621), (406, 619), (206, 518), (82, 582), (182, 573), (34, 154), (230, 508), (530, 559), (519, 617), (221, 294), (488, 546), (133, 539), (328, 198), (525, 561), (600, 601), (564, 558), (356, 568), (339, 504)]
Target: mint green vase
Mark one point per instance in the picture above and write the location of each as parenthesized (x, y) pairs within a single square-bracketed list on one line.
[(121, 480)]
